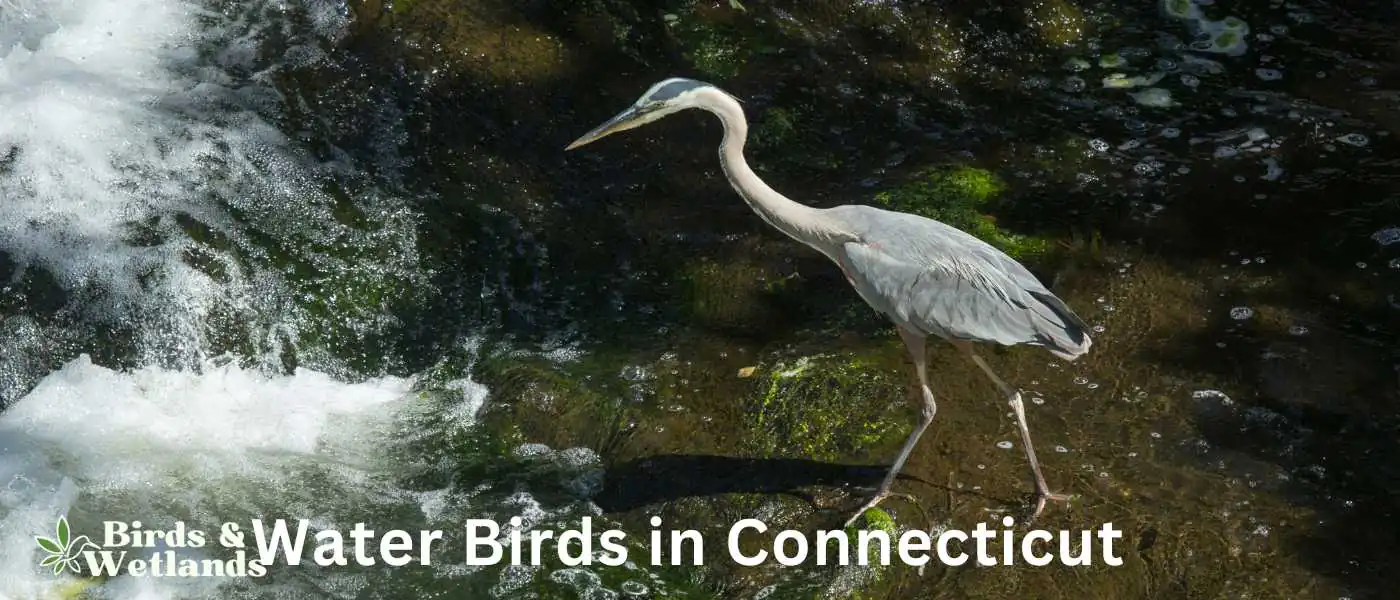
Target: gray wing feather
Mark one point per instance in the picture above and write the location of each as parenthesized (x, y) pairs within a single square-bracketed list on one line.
[(957, 286)]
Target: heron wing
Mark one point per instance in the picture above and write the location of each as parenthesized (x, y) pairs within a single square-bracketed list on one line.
[(964, 294)]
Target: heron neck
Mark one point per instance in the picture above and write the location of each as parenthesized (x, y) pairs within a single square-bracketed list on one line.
[(799, 221)]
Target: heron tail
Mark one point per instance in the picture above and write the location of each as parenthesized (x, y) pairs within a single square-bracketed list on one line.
[(1064, 334)]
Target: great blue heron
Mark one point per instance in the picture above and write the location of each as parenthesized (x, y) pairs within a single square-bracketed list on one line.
[(931, 279)]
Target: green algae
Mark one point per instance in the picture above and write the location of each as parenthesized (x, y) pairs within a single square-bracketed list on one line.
[(826, 407)]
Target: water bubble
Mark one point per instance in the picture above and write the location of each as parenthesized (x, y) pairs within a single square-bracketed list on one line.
[(1081, 380), (1229, 112), (1109, 61), (1155, 435), (1122, 81), (982, 467), (1239, 178), (1213, 394), (1268, 74), (1076, 64), (1360, 265), (1297, 330), (633, 588), (1226, 151), (1190, 80), (1073, 84), (532, 449), (1100, 328), (1098, 145), (1154, 97), (1093, 386), (1037, 400), (1061, 449), (1004, 445), (1035, 82), (1354, 139), (1240, 313)]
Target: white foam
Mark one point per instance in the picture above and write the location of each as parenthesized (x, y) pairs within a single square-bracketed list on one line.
[(156, 444), (80, 87), (119, 116)]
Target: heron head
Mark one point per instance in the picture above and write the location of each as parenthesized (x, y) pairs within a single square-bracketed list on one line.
[(667, 97)]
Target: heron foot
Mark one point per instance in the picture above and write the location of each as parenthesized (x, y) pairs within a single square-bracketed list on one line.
[(1044, 495), (879, 496)]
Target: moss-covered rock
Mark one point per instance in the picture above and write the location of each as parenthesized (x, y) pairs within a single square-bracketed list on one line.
[(826, 408), (958, 196), (554, 404)]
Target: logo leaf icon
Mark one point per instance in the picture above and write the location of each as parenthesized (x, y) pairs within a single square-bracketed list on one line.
[(49, 545), (50, 560), (63, 531)]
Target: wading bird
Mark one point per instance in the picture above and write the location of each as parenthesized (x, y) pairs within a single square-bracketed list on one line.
[(930, 278)]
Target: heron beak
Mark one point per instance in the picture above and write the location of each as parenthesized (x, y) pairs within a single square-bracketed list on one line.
[(624, 120)]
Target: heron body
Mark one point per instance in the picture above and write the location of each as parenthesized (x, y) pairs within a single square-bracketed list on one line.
[(929, 278)]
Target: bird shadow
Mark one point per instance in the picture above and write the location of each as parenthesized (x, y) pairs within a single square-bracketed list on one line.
[(660, 479)]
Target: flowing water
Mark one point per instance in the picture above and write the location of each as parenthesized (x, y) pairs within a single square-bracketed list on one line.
[(327, 261)]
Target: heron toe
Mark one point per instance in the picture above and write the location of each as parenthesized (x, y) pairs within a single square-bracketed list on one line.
[(1042, 496)]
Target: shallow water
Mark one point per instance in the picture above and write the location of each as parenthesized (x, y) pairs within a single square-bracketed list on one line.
[(326, 261)]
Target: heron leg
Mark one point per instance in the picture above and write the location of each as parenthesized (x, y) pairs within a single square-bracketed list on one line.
[(915, 344), (1042, 491)]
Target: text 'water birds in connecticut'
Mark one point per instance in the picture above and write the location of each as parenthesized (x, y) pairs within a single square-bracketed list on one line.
[(930, 278)]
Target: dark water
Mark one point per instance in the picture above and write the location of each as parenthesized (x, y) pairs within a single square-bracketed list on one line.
[(1223, 223)]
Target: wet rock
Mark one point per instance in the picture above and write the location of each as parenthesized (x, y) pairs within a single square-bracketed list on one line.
[(729, 295)]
